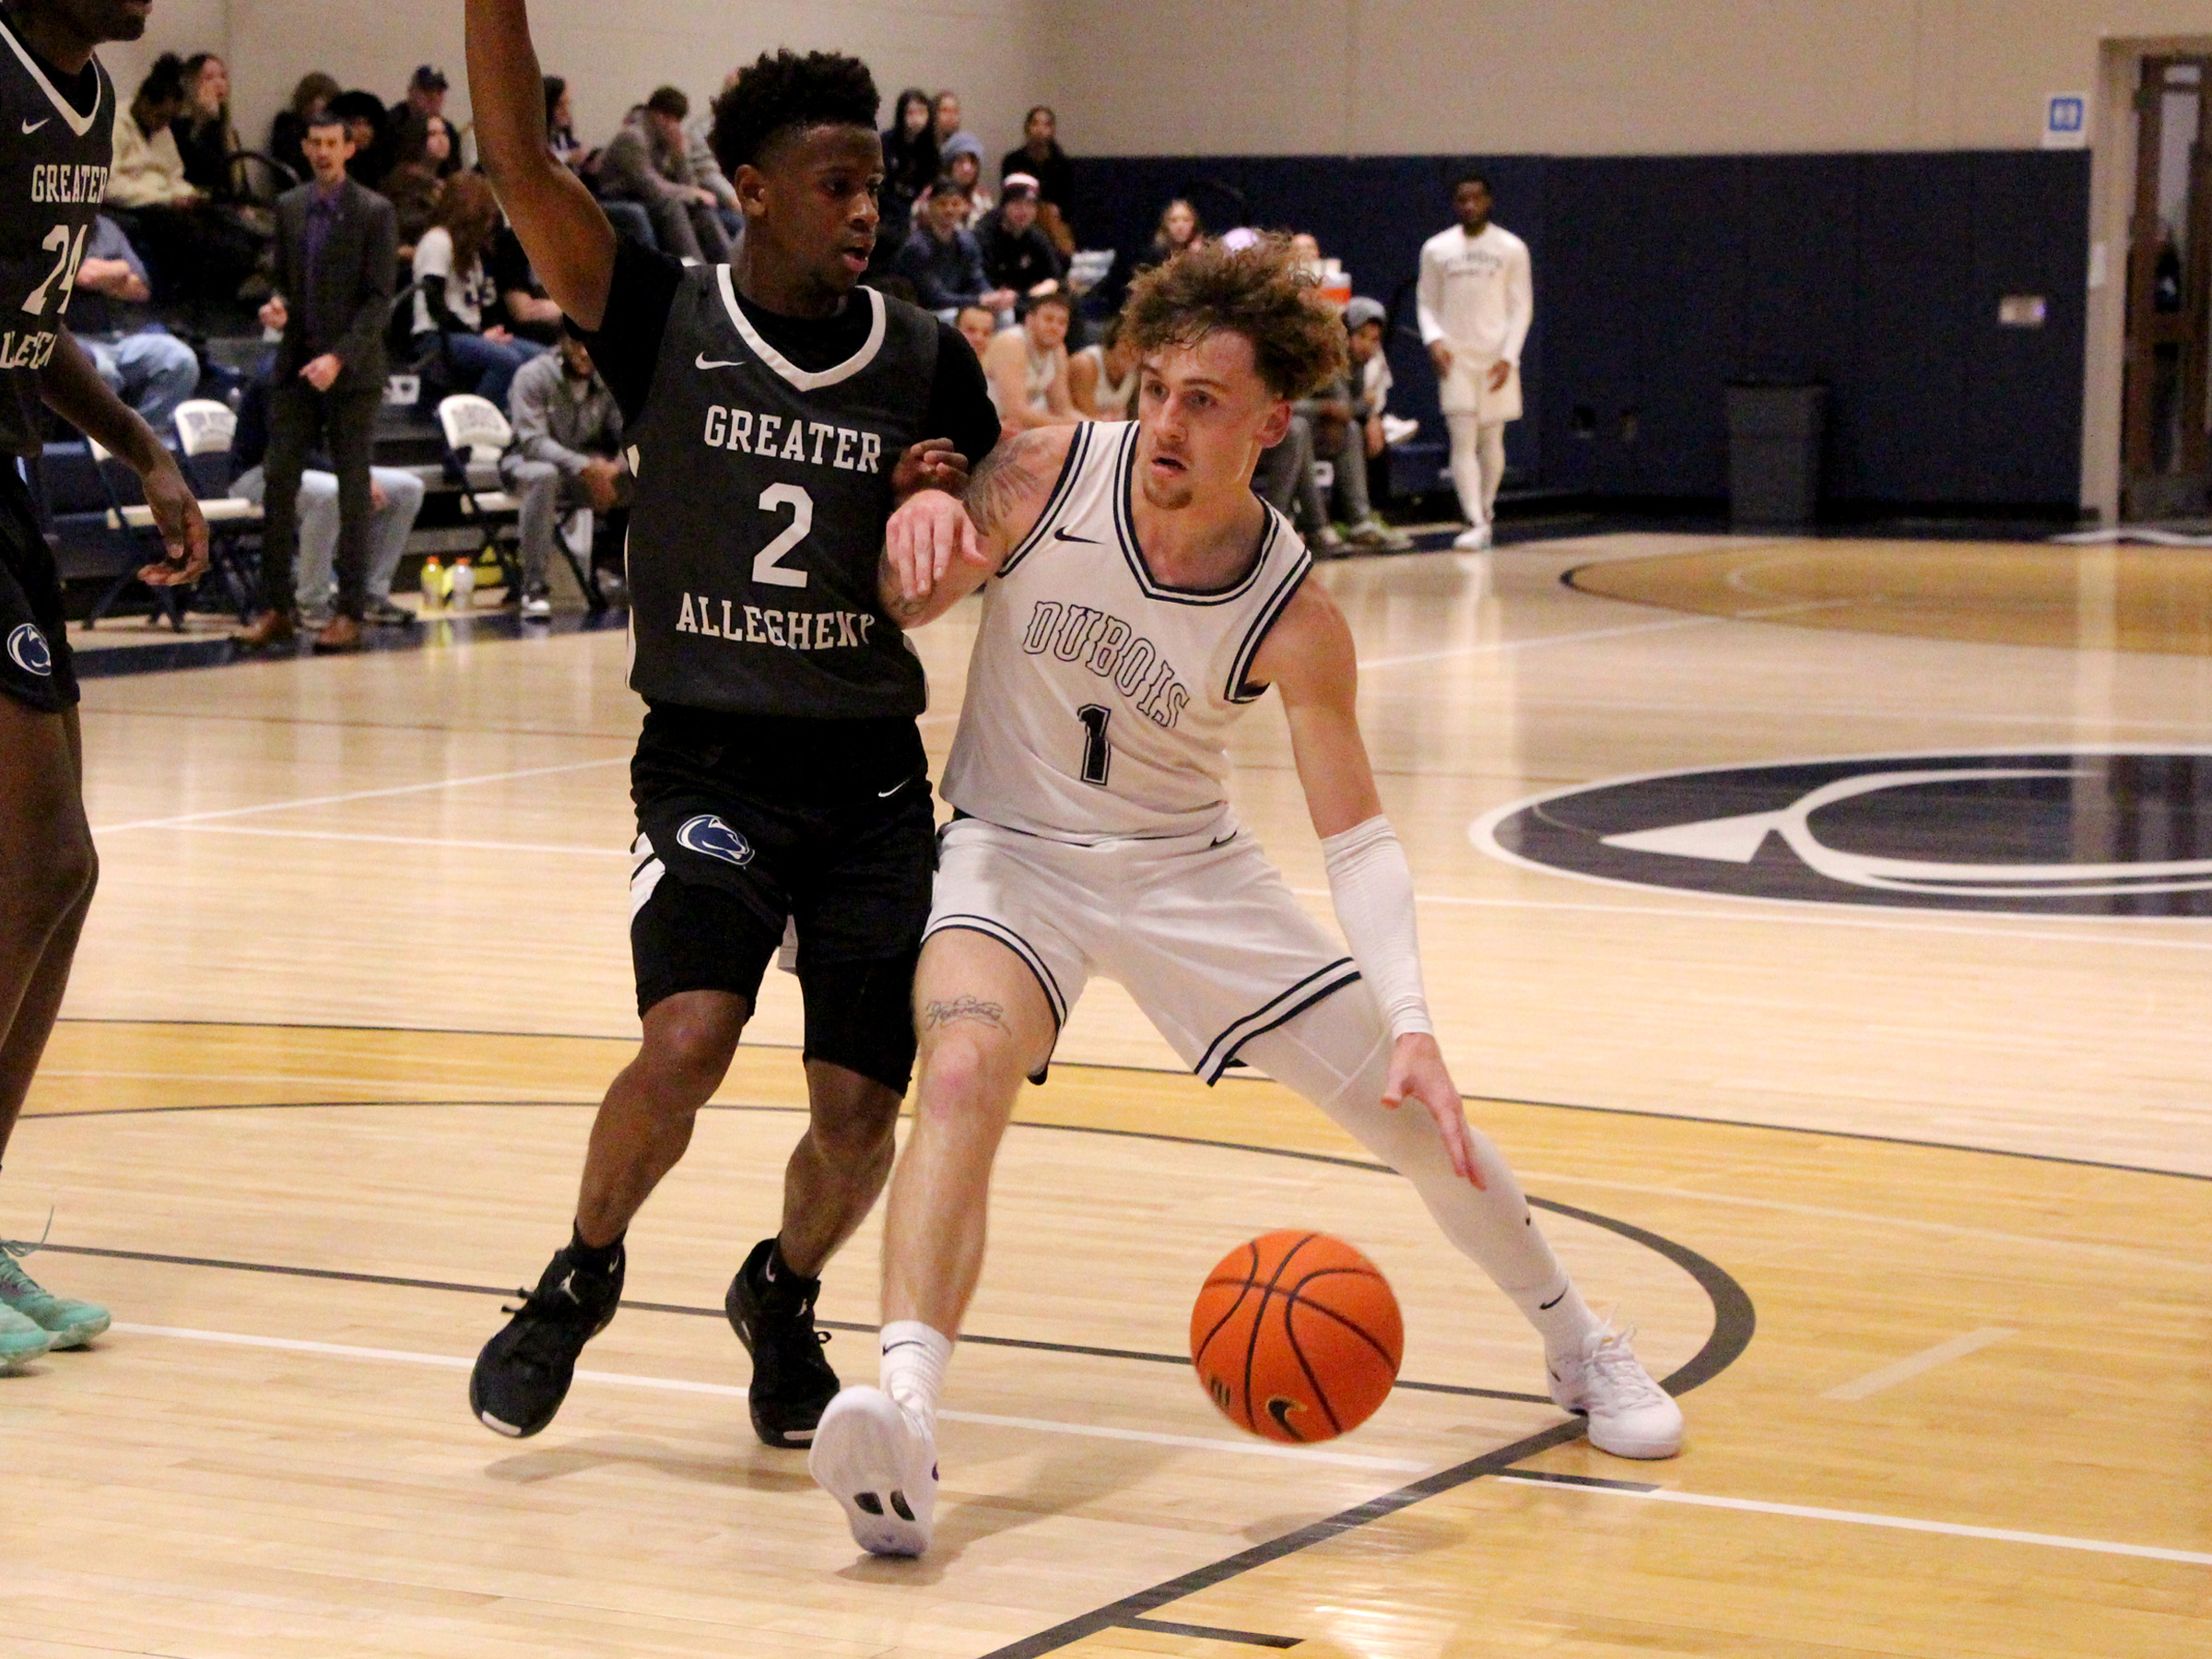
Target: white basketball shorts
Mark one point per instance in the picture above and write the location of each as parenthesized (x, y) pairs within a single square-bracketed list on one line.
[(1202, 933)]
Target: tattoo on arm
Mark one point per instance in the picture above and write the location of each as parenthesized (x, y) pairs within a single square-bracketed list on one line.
[(952, 1012), (1014, 471)]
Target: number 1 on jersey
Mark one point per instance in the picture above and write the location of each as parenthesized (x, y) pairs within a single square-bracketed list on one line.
[(1097, 755)]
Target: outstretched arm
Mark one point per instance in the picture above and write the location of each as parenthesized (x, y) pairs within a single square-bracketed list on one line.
[(938, 550), (570, 242), (1308, 657)]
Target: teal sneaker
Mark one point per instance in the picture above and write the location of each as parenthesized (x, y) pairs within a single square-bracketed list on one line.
[(20, 1338), (65, 1321)]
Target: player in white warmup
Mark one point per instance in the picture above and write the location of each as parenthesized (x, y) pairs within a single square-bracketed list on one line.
[(1476, 302), (1141, 597)]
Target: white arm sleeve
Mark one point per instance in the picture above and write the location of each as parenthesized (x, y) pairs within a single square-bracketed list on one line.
[(1371, 886), (1429, 297), (1520, 303)]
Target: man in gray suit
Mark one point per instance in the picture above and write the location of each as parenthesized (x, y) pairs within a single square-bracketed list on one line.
[(336, 255)]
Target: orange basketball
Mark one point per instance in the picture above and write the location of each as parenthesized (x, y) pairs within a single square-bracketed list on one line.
[(1297, 1337)]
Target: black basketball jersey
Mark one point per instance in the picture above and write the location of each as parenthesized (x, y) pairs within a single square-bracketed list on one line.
[(761, 498), (53, 173)]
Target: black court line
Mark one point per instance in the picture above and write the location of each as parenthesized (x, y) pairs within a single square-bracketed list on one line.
[(1161, 1627), (1546, 1477), (1142, 1071), (1735, 1320)]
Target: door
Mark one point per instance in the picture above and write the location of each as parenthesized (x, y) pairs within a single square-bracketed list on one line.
[(2165, 454)]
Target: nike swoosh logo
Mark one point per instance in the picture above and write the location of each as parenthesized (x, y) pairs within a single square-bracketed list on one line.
[(884, 795), (1064, 535), (703, 361), (1280, 1409), (31, 126), (1555, 1301)]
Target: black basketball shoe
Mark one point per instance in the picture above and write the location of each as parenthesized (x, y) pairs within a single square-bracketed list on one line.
[(524, 1372), (771, 1309)]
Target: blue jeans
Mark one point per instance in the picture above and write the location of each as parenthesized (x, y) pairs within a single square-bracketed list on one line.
[(490, 365), (152, 370)]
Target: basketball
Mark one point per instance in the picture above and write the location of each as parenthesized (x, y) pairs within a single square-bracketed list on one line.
[(1297, 1337)]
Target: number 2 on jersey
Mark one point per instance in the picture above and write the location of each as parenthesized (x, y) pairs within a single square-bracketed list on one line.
[(1097, 754), (767, 565), (72, 253)]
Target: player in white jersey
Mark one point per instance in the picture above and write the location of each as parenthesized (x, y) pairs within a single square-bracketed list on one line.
[(1475, 304), (1140, 597)]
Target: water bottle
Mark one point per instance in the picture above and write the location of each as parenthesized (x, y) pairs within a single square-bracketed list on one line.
[(433, 583), (461, 584)]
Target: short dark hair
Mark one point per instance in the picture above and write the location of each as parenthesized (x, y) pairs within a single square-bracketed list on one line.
[(1471, 175), (1059, 297), (1260, 291), (946, 184), (325, 117), (669, 101), (556, 86), (784, 93)]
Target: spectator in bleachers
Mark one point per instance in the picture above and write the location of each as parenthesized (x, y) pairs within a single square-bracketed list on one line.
[(195, 252), (1027, 367), (205, 139), (1017, 252), (425, 102), (394, 500), (1043, 159), (454, 296), (560, 125), (963, 162), (142, 362), (945, 117), (910, 167), (942, 261), (1180, 228), (1102, 378), (567, 453), (646, 163), (525, 308), (977, 327), (335, 261), (1346, 418), (413, 186), (310, 98), (1286, 481), (368, 129)]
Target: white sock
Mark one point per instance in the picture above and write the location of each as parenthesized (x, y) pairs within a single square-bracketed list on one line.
[(1560, 1316), (914, 1356)]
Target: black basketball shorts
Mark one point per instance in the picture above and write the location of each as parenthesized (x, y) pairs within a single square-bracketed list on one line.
[(35, 664), (746, 825)]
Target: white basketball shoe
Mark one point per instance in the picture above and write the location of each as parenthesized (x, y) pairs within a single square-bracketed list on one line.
[(1631, 1416), (1475, 539), (881, 1465)]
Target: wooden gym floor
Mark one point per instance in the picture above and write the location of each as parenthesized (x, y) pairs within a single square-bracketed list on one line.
[(1913, 1204)]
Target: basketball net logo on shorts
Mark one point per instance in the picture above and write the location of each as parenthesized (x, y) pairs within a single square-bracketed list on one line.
[(30, 651), (2117, 830), (710, 838)]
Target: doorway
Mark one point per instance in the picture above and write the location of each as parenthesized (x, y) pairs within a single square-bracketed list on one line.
[(2166, 448)]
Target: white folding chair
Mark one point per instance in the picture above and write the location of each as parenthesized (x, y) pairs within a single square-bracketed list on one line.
[(476, 435)]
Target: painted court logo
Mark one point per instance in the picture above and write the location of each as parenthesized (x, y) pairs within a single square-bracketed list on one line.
[(30, 651), (2092, 831), (710, 838)]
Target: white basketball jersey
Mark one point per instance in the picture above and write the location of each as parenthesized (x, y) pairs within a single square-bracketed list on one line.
[(1100, 699)]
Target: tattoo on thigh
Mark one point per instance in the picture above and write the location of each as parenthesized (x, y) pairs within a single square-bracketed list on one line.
[(935, 1014)]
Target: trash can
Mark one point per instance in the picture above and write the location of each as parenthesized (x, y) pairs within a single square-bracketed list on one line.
[(1775, 435)]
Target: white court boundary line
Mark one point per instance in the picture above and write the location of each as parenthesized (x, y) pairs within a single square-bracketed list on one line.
[(1913, 1365), (1951, 1529), (340, 1350), (360, 795)]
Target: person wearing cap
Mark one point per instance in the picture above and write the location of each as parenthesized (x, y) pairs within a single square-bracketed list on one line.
[(943, 261), (1018, 256), (1347, 428), (963, 160), (407, 120)]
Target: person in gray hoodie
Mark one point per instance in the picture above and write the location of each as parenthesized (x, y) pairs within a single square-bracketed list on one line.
[(567, 453)]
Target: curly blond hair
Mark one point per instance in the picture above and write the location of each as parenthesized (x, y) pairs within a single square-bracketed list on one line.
[(1259, 290)]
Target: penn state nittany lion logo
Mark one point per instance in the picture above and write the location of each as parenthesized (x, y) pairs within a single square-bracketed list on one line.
[(26, 646), (710, 838), (2093, 831)]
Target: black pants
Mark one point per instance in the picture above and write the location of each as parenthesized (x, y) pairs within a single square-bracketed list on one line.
[(298, 414)]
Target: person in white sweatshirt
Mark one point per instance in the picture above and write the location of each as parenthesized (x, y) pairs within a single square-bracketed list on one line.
[(1476, 301)]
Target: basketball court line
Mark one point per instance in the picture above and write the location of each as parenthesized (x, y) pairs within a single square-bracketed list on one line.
[(729, 1390), (1914, 1365), (361, 795), (1951, 1529)]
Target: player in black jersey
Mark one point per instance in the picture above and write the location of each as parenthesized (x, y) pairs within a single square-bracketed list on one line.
[(787, 426), (58, 122)]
